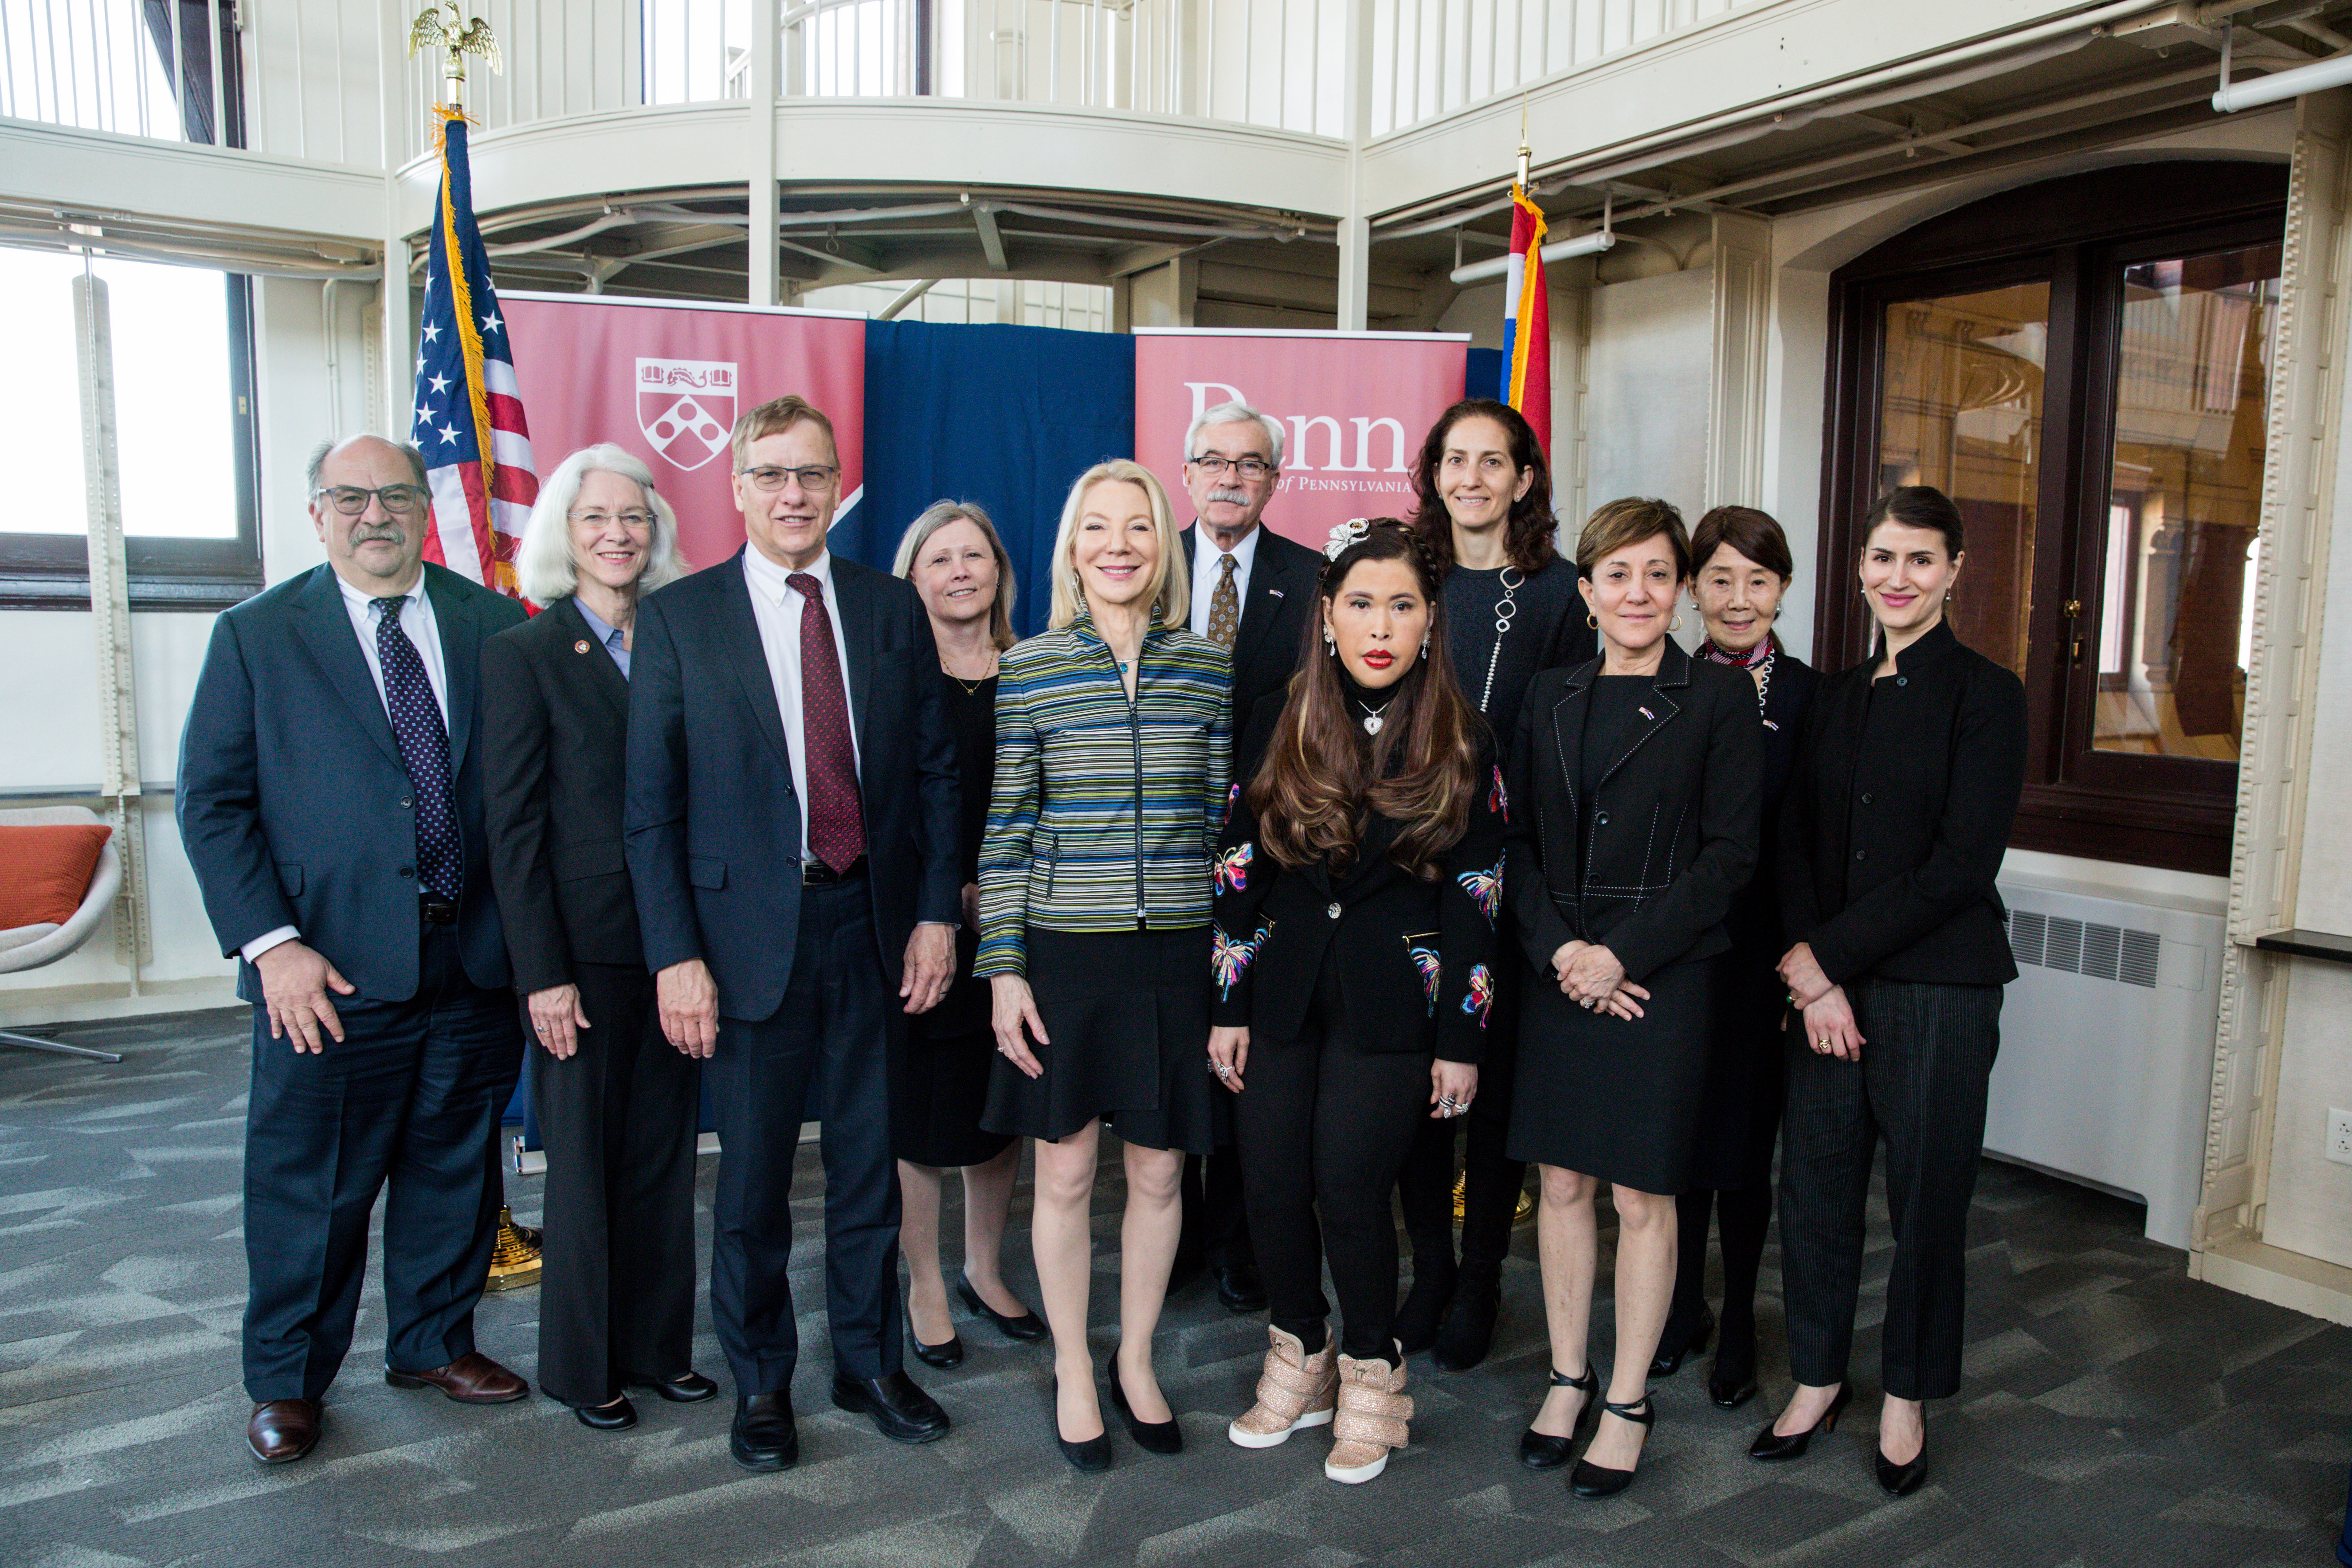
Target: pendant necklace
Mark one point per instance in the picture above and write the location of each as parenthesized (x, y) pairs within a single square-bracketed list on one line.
[(1373, 717), (1505, 609)]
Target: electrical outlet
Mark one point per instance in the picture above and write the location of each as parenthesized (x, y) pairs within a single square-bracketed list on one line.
[(2340, 1135)]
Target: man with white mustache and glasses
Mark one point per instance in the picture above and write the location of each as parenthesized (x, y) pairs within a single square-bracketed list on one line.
[(1253, 591), (331, 801)]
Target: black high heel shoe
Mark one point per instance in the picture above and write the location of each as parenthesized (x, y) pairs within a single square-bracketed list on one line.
[(1091, 1456), (1770, 1448), (1027, 1326), (1665, 1364), (1900, 1480), (1541, 1450), (1593, 1482), (1151, 1436)]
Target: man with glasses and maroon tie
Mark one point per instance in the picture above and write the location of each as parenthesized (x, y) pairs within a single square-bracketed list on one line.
[(330, 802), (791, 832)]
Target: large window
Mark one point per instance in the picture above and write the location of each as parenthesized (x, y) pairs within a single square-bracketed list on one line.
[(183, 432), (2085, 367)]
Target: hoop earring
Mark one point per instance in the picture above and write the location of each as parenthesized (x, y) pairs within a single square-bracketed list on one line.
[(1675, 625), (1594, 621)]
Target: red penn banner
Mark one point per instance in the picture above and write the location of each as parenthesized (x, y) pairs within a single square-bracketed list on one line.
[(1353, 407), (667, 381)]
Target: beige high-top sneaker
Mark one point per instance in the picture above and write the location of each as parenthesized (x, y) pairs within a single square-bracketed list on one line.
[(1372, 1413), (1294, 1390)]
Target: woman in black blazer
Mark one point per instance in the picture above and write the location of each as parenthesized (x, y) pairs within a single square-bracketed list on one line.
[(1638, 785), (1358, 885), (616, 1104), (1898, 815), (1742, 569)]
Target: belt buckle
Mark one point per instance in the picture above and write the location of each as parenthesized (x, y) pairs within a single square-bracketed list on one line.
[(815, 873), (438, 912)]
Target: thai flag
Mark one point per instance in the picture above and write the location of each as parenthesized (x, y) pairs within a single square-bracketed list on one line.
[(1527, 321), (469, 422)]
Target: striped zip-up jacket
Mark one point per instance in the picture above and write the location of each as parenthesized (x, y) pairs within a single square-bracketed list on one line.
[(1105, 812)]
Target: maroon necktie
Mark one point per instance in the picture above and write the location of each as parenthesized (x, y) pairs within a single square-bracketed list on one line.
[(836, 832)]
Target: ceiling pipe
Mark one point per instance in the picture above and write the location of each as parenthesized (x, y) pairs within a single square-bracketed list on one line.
[(2316, 77), (913, 293), (1592, 244)]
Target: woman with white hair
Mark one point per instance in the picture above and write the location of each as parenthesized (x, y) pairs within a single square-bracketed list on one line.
[(939, 1069), (616, 1104), (1112, 735)]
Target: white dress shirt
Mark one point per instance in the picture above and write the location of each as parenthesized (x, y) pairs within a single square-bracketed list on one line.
[(417, 620), (1207, 569), (776, 606)]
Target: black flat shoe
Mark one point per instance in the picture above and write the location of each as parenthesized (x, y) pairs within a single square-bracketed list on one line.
[(1241, 1289), (1423, 1311), (1027, 1326), (1669, 1361), (1468, 1332), (900, 1410), (1728, 1394), (618, 1415), (944, 1356), (1541, 1450), (686, 1388), (1593, 1482), (1900, 1480), (1770, 1448), (1151, 1436), (764, 1436)]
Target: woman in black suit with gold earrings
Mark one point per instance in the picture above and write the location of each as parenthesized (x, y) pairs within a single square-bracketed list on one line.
[(616, 1104), (1635, 803)]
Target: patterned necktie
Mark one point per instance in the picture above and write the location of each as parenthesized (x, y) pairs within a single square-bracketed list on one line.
[(1224, 605), (423, 749), (836, 833)]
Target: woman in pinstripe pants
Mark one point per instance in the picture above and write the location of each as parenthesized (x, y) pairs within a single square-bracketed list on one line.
[(1892, 833)]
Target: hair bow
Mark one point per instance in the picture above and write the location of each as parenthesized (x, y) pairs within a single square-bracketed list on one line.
[(1351, 532)]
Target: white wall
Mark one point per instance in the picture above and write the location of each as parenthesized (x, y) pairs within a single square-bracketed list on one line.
[(51, 717), (1649, 366)]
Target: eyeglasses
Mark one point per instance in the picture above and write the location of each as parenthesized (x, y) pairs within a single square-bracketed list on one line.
[(599, 519), (1249, 468), (813, 477), (351, 500)]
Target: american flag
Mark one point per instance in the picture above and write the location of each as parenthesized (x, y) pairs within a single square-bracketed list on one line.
[(1527, 319), (469, 421)]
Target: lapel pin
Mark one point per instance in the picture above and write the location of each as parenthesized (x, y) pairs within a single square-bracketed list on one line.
[(1275, 592), (580, 646), (1652, 718)]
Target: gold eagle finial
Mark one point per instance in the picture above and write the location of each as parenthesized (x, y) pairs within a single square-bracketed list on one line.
[(446, 27)]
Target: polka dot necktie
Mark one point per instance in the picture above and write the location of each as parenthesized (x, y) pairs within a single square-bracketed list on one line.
[(1224, 605), (836, 832), (423, 740)]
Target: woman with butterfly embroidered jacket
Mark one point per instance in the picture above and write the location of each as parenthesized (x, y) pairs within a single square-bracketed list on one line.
[(1358, 882), (1635, 780)]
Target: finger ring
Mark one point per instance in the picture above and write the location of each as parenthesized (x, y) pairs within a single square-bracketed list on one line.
[(541, 1027)]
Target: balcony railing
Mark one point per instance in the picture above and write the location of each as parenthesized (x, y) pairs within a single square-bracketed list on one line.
[(313, 68)]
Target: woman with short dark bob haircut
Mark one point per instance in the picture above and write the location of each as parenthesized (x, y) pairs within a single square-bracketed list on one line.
[(1740, 569), (1636, 799), (1898, 811)]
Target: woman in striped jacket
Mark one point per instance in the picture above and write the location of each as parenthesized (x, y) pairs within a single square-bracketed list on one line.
[(1111, 737)]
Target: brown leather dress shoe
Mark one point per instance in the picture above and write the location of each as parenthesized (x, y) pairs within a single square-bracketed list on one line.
[(282, 1430), (472, 1379)]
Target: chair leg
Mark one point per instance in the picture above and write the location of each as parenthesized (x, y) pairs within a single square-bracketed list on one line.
[(27, 1042)]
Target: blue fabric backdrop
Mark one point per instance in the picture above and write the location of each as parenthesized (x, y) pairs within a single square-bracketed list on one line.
[(1003, 415), (1485, 374)]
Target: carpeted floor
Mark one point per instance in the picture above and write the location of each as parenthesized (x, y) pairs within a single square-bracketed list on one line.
[(2114, 1411)]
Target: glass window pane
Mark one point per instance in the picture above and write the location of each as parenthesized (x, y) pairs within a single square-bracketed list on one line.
[(175, 428), (1960, 409), (2184, 503)]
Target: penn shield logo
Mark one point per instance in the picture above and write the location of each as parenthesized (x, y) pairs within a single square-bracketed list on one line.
[(686, 407)]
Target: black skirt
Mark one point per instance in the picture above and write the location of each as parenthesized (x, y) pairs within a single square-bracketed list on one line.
[(1615, 1097), (1126, 1016), (1746, 1074), (938, 1085)]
